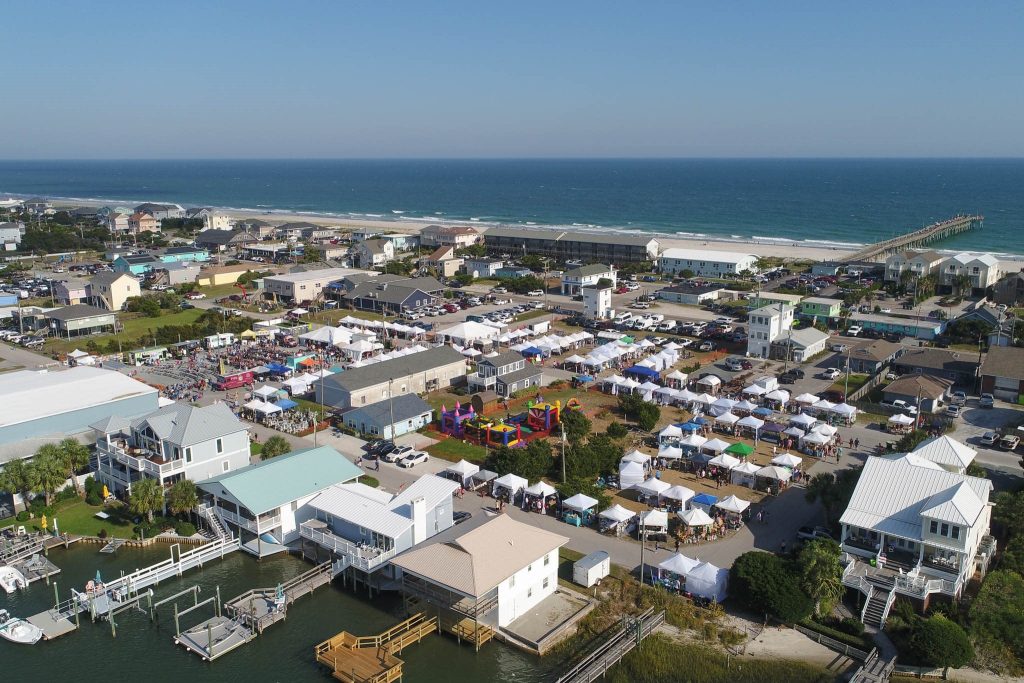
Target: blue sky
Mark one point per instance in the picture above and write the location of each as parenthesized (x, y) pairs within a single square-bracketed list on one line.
[(335, 78)]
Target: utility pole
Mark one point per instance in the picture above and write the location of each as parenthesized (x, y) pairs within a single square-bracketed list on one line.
[(563, 453), (846, 387), (391, 406)]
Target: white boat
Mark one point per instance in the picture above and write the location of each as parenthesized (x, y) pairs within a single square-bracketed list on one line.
[(11, 579), (18, 630)]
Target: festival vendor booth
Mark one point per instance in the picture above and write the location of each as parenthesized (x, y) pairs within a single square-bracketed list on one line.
[(685, 397), (703, 501), (615, 519), (675, 497), (461, 472), (721, 406), (483, 479), (846, 413), (296, 386), (822, 409), (776, 399), (726, 423), (750, 426), (709, 384), (665, 396), (574, 362), (772, 478), (670, 435), (541, 497), (670, 453), (508, 487), (265, 393), (804, 400), (714, 446), (744, 474), (733, 508), (261, 409), (708, 582), (803, 421), (787, 460), (279, 370), (676, 379), (814, 443), (653, 523), (692, 443), (579, 510), (772, 432), (900, 424), (630, 474), (744, 408), (724, 460), (672, 572), (754, 391), (638, 457), (697, 522), (649, 490)]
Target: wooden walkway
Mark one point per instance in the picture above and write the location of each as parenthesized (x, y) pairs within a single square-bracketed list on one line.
[(36, 568), (371, 659), (918, 238), (622, 639), (21, 548)]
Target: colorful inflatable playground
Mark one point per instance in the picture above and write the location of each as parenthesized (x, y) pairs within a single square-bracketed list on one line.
[(513, 430)]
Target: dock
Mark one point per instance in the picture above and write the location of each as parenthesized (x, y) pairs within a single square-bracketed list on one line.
[(112, 545), (619, 642), (178, 563), (21, 548), (36, 568), (918, 238), (371, 659)]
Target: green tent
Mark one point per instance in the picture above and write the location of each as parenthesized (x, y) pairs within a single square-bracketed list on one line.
[(741, 450)]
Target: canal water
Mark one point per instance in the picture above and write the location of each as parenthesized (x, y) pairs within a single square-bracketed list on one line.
[(146, 651)]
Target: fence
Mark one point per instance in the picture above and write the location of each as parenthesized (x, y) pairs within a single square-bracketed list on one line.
[(920, 672), (877, 379), (833, 644)]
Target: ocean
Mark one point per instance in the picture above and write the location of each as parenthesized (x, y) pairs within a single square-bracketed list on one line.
[(840, 202)]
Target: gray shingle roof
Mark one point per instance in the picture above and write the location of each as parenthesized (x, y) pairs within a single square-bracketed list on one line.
[(184, 425), (107, 277), (525, 373), (503, 358), (77, 311), (1004, 361), (584, 271), (370, 375), (405, 407)]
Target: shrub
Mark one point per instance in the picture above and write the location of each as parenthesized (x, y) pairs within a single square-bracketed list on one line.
[(185, 529), (939, 642), (617, 430), (102, 533), (23, 516), (859, 642), (766, 584), (93, 498)]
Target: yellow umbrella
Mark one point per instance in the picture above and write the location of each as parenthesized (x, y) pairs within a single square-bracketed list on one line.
[(106, 492), (42, 523)]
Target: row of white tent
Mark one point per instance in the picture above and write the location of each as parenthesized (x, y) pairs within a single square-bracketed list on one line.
[(702, 578), (355, 327), (554, 343), (390, 355)]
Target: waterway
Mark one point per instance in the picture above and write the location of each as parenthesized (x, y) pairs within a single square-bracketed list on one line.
[(144, 651)]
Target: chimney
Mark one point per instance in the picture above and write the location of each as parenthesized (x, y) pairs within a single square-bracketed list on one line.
[(418, 512)]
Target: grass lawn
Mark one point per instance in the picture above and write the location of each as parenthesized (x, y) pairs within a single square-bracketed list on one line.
[(76, 517), (306, 404), (255, 447), (528, 315), (856, 382), (454, 450), (372, 482), (134, 327)]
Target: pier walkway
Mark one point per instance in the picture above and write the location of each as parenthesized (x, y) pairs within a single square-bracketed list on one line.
[(36, 568), (178, 563), (371, 659), (622, 640), (22, 547), (918, 238)]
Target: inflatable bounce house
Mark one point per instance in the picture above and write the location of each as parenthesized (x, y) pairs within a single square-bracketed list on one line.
[(543, 416), (452, 421), (504, 435)]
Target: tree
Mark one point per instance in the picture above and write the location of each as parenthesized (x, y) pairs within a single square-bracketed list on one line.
[(766, 584), (687, 273), (75, 457), (147, 497), (531, 463), (645, 414), (997, 614), (51, 472), (962, 283), (833, 490), (616, 430), (576, 425), (821, 573), (604, 283), (19, 476), (182, 497), (939, 642), (273, 447)]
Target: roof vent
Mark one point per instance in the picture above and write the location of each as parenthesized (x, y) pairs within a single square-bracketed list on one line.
[(382, 286)]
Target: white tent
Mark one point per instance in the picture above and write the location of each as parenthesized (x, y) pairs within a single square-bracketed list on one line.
[(723, 405), (654, 519), (743, 475), (708, 581), (727, 419), (628, 384), (695, 517), (511, 483), (693, 441), (636, 456), (795, 431), (724, 460), (471, 352), (755, 390), (786, 460), (265, 392), (263, 407), (774, 472), (686, 395), (824, 405), (464, 470), (780, 395), (678, 493), (715, 445), (666, 395), (710, 381), (745, 405), (670, 452), (806, 398), (574, 360), (617, 514), (630, 474), (803, 420), (677, 375), (579, 503), (733, 504), (816, 438), (750, 422), (648, 388), (704, 399), (827, 430), (845, 409), (901, 419), (466, 333), (295, 385), (652, 486), (670, 433), (678, 564)]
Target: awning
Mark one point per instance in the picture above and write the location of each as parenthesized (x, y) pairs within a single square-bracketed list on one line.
[(732, 504), (287, 404), (786, 460), (617, 514)]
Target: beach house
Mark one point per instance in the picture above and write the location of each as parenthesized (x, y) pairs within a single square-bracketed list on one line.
[(597, 303), (220, 241), (820, 307), (916, 263), (914, 529), (161, 211), (302, 287), (482, 266), (390, 419), (372, 253), (442, 261), (1002, 373), (768, 324), (112, 289), (982, 270), (117, 222), (139, 264), (393, 294), (139, 223), (458, 236), (211, 218), (184, 255), (576, 279), (264, 504), (80, 319), (505, 374), (705, 262), (801, 345), (591, 247), (68, 293)]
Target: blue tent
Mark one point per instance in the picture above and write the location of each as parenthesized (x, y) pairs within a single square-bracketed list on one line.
[(583, 379), (278, 369), (532, 351), (703, 501), (286, 404), (690, 427), (642, 371), (766, 412), (701, 420)]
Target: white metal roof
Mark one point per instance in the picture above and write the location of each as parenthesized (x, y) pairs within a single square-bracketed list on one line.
[(945, 450), (345, 503)]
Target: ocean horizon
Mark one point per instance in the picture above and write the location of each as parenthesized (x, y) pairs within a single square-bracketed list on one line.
[(818, 202)]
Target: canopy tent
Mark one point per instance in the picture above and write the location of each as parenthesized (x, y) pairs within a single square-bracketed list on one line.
[(678, 564), (669, 452), (579, 503), (795, 431), (902, 419), (262, 407), (727, 419), (686, 395), (724, 460), (740, 450), (802, 420), (463, 470), (678, 493), (827, 430), (715, 445), (483, 477), (824, 405), (574, 360), (630, 474), (733, 504), (845, 409), (265, 392), (677, 375), (780, 395), (745, 406), (692, 441), (704, 399), (690, 427), (743, 475), (278, 369), (652, 486), (642, 372), (703, 501), (710, 381), (723, 405), (287, 404), (773, 427), (636, 456), (708, 581), (695, 517), (541, 489), (648, 388), (750, 422), (816, 438), (471, 353), (807, 398), (628, 384), (617, 513), (654, 519), (774, 472), (787, 460), (511, 483), (666, 395), (762, 412), (755, 390)]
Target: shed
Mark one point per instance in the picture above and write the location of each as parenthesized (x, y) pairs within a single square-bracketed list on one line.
[(590, 569)]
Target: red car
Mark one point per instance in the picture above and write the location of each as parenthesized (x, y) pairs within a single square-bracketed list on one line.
[(621, 290)]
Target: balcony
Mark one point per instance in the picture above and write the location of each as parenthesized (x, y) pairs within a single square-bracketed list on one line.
[(861, 543), (937, 563), (264, 524), (142, 461), (360, 556)]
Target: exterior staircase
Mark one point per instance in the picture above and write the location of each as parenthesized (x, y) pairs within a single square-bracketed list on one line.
[(213, 524), (880, 598)]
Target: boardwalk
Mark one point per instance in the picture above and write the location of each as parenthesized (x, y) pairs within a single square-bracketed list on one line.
[(622, 640), (918, 238), (371, 659)]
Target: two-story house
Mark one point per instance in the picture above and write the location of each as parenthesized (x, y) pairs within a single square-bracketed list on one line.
[(184, 255), (820, 307), (117, 222), (211, 218), (482, 266), (139, 223), (265, 503), (68, 294), (597, 303), (925, 528), (573, 281), (110, 290), (179, 441), (1009, 290), (981, 269), (505, 374), (917, 263), (768, 324), (364, 528), (139, 264), (443, 261), (372, 253), (457, 236)]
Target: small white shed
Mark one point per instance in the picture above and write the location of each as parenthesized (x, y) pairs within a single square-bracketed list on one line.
[(588, 570)]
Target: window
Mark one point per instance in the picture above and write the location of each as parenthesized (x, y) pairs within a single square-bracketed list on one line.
[(546, 580), (934, 528), (188, 455), (529, 567), (954, 532), (295, 505), (547, 560), (945, 530), (227, 466), (529, 592), (220, 445)]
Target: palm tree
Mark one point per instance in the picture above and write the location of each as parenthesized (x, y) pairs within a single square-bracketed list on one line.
[(75, 457), (821, 574), (19, 476), (961, 283), (182, 497), (147, 497), (275, 446), (50, 469)]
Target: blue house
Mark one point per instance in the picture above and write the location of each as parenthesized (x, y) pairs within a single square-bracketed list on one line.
[(184, 254), (512, 272), (364, 528), (388, 419), (135, 265)]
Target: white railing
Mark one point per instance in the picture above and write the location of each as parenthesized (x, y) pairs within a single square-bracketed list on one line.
[(359, 557), (864, 610), (243, 522), (920, 586), (144, 464), (888, 605)]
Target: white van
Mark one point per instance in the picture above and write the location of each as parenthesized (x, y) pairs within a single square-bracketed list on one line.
[(623, 317)]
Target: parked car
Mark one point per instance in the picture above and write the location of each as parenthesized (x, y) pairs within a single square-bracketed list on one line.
[(733, 363), (535, 292), (840, 348), (797, 372), (414, 458), (989, 438), (958, 398), (1009, 442), (460, 516), (707, 346), (831, 373), (195, 295), (899, 405), (397, 454), (952, 411), (986, 401), (379, 447), (834, 395), (854, 330)]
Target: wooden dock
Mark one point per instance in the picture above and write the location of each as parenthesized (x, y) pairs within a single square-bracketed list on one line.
[(59, 621), (621, 640), (371, 659), (21, 548), (36, 568), (918, 238), (214, 637)]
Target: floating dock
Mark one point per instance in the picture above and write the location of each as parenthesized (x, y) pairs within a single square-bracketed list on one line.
[(371, 659), (36, 568)]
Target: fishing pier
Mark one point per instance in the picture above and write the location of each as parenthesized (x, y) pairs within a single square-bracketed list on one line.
[(918, 238)]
